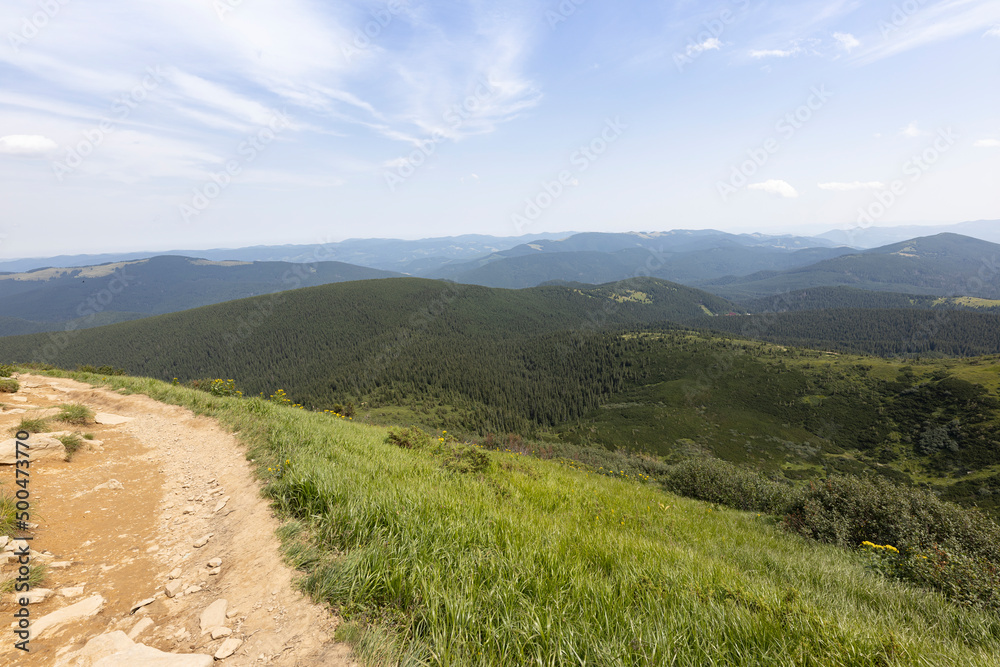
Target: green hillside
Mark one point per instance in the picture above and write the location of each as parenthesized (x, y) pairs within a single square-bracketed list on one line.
[(487, 359), (588, 366), (436, 552), (886, 332)]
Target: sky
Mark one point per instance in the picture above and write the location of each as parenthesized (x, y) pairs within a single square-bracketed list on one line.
[(162, 124)]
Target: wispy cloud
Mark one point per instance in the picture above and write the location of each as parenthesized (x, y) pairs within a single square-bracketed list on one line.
[(853, 185), (775, 53), (846, 41), (929, 23), (709, 44), (987, 143), (775, 187), (912, 130)]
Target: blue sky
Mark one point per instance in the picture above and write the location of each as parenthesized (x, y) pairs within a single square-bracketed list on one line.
[(156, 124)]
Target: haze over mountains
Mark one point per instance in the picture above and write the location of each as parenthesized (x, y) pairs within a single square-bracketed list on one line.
[(747, 269)]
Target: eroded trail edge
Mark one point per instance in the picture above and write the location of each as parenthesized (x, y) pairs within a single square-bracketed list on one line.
[(155, 538)]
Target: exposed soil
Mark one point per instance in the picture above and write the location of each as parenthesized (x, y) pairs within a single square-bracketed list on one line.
[(122, 543)]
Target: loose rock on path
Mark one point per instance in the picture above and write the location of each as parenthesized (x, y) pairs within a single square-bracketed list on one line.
[(149, 534)]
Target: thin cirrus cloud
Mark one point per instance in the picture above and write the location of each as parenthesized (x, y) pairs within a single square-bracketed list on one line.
[(227, 73), (901, 30), (987, 143), (27, 145), (775, 187), (853, 185)]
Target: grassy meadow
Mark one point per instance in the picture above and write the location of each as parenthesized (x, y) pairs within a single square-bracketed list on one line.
[(447, 554)]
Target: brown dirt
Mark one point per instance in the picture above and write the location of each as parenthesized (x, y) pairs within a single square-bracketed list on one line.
[(175, 467)]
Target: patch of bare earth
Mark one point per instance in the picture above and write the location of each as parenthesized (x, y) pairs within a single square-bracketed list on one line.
[(159, 509)]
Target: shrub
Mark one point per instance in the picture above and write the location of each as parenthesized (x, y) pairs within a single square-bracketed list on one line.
[(75, 413), (9, 385), (466, 459), (966, 580), (407, 438), (6, 370), (721, 482), (850, 510), (220, 387)]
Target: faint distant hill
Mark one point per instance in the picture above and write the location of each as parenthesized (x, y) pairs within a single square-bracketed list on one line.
[(684, 256), (873, 237), (82, 297), (940, 265), (386, 254)]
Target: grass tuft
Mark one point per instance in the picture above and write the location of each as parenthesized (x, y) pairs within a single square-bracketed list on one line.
[(72, 442), (32, 425), (75, 413)]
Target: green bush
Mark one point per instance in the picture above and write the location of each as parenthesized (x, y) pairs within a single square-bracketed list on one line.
[(75, 413), (721, 482), (220, 387), (851, 510), (6, 370), (408, 438), (466, 459), (9, 385)]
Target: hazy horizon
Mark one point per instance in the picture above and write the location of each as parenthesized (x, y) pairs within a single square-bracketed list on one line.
[(228, 123)]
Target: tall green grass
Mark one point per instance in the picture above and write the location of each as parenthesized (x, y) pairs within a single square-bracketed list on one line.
[(530, 562)]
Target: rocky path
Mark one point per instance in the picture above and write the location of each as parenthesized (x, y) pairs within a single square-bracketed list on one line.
[(156, 539)]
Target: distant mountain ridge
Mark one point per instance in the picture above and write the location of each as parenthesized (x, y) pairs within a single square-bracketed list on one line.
[(941, 265), (81, 297)]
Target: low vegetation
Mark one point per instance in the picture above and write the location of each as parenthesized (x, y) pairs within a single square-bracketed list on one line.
[(9, 385), (75, 413), (72, 442), (32, 425), (531, 561)]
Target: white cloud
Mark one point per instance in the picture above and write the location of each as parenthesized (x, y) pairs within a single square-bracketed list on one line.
[(912, 130), (987, 143), (775, 53), (993, 32), (26, 145), (853, 185), (777, 187), (712, 43), (847, 41)]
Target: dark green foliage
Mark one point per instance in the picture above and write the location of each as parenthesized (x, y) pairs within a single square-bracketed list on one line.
[(851, 510), (884, 332), (407, 438), (6, 370), (724, 483)]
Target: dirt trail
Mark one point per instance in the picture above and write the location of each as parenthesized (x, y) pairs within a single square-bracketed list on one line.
[(173, 469)]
